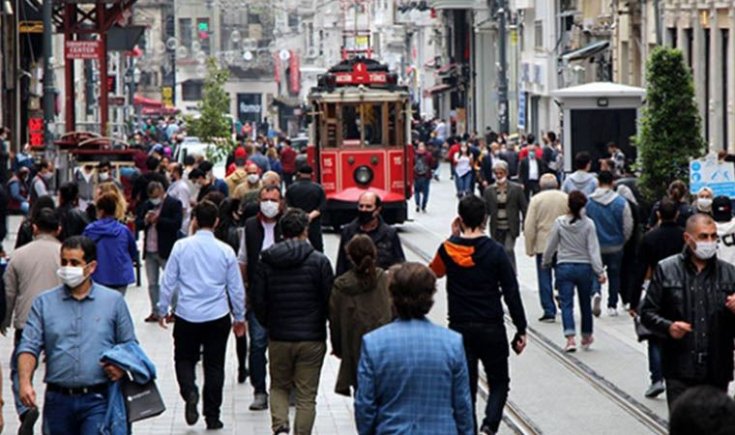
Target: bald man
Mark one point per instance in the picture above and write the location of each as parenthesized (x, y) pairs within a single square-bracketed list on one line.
[(370, 223), (690, 304)]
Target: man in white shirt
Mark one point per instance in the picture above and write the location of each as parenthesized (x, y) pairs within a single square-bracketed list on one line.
[(203, 272)]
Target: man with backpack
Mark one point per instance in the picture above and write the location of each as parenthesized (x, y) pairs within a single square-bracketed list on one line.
[(422, 164)]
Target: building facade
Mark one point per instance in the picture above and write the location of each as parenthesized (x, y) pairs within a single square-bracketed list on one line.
[(703, 32)]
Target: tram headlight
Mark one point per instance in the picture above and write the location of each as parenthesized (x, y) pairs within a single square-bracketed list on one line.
[(363, 175)]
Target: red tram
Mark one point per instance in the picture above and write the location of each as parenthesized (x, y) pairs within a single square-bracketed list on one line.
[(360, 134)]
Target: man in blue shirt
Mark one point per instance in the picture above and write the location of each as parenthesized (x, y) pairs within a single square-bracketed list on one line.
[(74, 324), (206, 276), (405, 386)]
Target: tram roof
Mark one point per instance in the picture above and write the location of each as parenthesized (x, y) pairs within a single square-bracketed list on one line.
[(358, 94)]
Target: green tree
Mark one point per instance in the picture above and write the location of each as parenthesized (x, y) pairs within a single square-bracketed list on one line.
[(670, 133), (213, 125)]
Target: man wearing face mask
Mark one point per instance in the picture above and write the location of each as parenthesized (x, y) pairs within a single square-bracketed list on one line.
[(690, 304), (531, 168), (160, 220), (260, 233), (41, 182), (369, 222), (74, 325)]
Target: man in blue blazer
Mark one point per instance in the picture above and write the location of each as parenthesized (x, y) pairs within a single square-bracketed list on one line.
[(412, 376)]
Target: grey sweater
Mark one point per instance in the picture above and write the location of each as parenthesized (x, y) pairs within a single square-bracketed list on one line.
[(574, 243)]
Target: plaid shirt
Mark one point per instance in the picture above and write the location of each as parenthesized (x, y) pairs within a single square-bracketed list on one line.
[(412, 379)]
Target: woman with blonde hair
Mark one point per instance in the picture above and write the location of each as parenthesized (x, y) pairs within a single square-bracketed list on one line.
[(359, 303), (121, 208)]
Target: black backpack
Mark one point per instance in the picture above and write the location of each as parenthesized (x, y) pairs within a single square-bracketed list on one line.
[(420, 167)]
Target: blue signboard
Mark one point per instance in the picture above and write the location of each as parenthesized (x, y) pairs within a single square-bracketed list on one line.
[(522, 96), (709, 172)]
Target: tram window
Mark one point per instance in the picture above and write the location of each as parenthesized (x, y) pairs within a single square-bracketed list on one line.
[(373, 123), (350, 122), (363, 118), (329, 124)]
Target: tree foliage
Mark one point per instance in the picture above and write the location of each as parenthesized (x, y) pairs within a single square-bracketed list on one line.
[(213, 126), (670, 132)]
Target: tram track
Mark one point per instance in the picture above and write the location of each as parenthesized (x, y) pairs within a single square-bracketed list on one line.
[(521, 423)]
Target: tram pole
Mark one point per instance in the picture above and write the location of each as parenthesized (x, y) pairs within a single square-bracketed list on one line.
[(49, 93), (503, 124)]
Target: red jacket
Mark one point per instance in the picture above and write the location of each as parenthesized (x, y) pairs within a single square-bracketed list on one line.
[(454, 149)]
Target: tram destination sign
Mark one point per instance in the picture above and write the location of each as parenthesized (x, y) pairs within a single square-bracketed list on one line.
[(360, 75), (82, 50)]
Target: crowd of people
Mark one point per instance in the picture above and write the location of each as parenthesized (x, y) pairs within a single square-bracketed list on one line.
[(245, 253)]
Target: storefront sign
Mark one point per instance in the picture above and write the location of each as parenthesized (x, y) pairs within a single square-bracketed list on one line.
[(82, 49)]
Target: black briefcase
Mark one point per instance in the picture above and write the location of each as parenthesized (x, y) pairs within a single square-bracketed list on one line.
[(142, 401)]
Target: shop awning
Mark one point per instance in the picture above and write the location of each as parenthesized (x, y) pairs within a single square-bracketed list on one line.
[(587, 51), (140, 100)]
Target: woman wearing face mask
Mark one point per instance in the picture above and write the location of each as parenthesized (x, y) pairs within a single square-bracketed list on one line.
[(574, 241), (703, 203), (463, 170)]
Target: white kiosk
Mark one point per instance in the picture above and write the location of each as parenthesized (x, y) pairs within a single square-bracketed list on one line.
[(596, 114)]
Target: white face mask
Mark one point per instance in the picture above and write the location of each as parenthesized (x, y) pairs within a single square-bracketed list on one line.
[(104, 176), (71, 276), (704, 203), (269, 209), (155, 201), (705, 250), (253, 178), (502, 180)]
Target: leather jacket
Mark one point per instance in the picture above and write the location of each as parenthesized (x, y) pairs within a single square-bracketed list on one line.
[(670, 298)]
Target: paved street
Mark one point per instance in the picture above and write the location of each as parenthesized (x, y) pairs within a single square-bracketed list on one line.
[(555, 399)]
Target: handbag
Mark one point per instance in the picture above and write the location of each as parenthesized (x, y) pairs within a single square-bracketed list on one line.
[(142, 401)]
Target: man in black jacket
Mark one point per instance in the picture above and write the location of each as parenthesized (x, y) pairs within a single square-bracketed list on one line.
[(531, 168), (140, 185), (309, 196), (663, 241), (260, 233), (71, 219), (691, 304), (291, 297), (479, 273), (369, 222), (160, 219)]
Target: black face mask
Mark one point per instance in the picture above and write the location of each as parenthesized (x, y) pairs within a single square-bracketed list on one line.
[(364, 216)]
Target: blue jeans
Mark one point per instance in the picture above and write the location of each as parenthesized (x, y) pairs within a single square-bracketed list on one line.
[(545, 288), (421, 191), (257, 359), (464, 184), (654, 361), (569, 276), (74, 415), (153, 266), (613, 261)]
